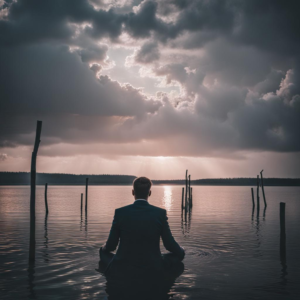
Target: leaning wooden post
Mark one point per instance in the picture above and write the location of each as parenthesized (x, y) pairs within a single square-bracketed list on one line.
[(86, 193), (46, 201), (257, 193), (253, 202), (182, 199), (262, 187), (81, 202), (32, 191), (186, 188), (282, 233)]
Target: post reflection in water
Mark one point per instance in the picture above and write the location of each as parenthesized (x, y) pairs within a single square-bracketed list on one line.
[(31, 284), (85, 223), (282, 248), (46, 254), (81, 221), (256, 224), (264, 214), (186, 220)]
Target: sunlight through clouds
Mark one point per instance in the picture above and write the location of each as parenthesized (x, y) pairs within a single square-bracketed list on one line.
[(167, 199)]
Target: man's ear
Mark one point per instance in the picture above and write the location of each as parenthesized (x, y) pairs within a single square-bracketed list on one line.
[(133, 193), (149, 193)]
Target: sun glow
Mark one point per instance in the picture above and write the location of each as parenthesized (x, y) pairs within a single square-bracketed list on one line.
[(161, 157), (167, 199)]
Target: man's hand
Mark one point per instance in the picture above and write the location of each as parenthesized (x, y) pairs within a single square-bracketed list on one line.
[(103, 249)]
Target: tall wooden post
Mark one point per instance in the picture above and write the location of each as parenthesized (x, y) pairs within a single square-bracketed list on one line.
[(252, 192), (186, 188), (262, 187), (46, 201), (81, 202), (182, 199), (86, 193), (191, 200), (257, 193), (32, 191), (282, 234)]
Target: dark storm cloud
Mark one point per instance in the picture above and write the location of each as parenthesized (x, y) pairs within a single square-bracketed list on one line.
[(93, 54), (148, 53), (50, 79), (237, 63)]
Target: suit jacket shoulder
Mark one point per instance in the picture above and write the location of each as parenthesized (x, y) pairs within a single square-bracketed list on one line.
[(130, 206)]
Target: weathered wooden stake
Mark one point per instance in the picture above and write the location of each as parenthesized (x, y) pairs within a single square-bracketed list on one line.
[(257, 193), (262, 187), (186, 189), (189, 189), (46, 201), (182, 199), (252, 192), (32, 191), (191, 201), (86, 193), (282, 233), (81, 202)]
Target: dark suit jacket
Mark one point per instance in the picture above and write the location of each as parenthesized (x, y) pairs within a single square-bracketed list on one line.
[(137, 228)]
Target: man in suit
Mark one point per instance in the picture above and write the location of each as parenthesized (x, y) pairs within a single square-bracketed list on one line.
[(137, 229)]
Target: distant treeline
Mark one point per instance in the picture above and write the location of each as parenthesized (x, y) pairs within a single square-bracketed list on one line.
[(235, 181), (23, 178)]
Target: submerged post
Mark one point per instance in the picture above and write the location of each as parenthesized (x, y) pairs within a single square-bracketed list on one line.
[(81, 202), (32, 191), (257, 192), (282, 233), (252, 192), (46, 201), (262, 187), (182, 198), (86, 193), (191, 200), (186, 188)]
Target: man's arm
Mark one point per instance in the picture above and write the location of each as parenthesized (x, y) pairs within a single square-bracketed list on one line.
[(114, 235), (168, 239)]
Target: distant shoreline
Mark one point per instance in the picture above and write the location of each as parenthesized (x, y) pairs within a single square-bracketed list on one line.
[(23, 178)]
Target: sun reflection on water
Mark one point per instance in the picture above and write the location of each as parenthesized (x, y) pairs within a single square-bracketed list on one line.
[(167, 199)]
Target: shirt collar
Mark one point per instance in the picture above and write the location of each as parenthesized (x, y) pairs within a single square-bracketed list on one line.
[(141, 199)]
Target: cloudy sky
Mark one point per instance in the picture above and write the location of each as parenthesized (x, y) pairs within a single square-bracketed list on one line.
[(151, 87)]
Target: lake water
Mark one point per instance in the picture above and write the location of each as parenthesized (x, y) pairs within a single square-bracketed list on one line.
[(230, 253)]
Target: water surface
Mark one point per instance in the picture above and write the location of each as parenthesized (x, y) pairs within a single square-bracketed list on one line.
[(230, 253)]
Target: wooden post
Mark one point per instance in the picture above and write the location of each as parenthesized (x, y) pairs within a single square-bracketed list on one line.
[(32, 191), (252, 192), (262, 187), (282, 233), (191, 201), (189, 189), (257, 193), (182, 198), (186, 188), (81, 202), (86, 193), (46, 201)]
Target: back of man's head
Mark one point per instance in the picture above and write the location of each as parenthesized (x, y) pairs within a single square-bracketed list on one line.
[(141, 187)]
